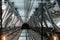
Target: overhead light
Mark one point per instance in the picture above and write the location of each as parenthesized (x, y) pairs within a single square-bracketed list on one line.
[(3, 37), (3, 7), (52, 1), (12, 15), (55, 37), (58, 24)]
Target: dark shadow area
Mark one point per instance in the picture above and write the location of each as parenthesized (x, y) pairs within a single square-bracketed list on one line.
[(25, 26)]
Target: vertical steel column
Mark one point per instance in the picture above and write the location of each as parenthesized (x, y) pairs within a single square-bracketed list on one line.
[(41, 19)]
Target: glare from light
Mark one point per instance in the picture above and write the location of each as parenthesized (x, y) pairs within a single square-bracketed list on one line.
[(52, 1), (58, 24), (3, 37), (3, 7), (55, 38), (2, 0), (12, 15)]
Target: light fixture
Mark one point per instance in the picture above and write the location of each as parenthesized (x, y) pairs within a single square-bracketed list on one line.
[(12, 15), (55, 37), (3, 7), (51, 1), (58, 24), (3, 37)]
